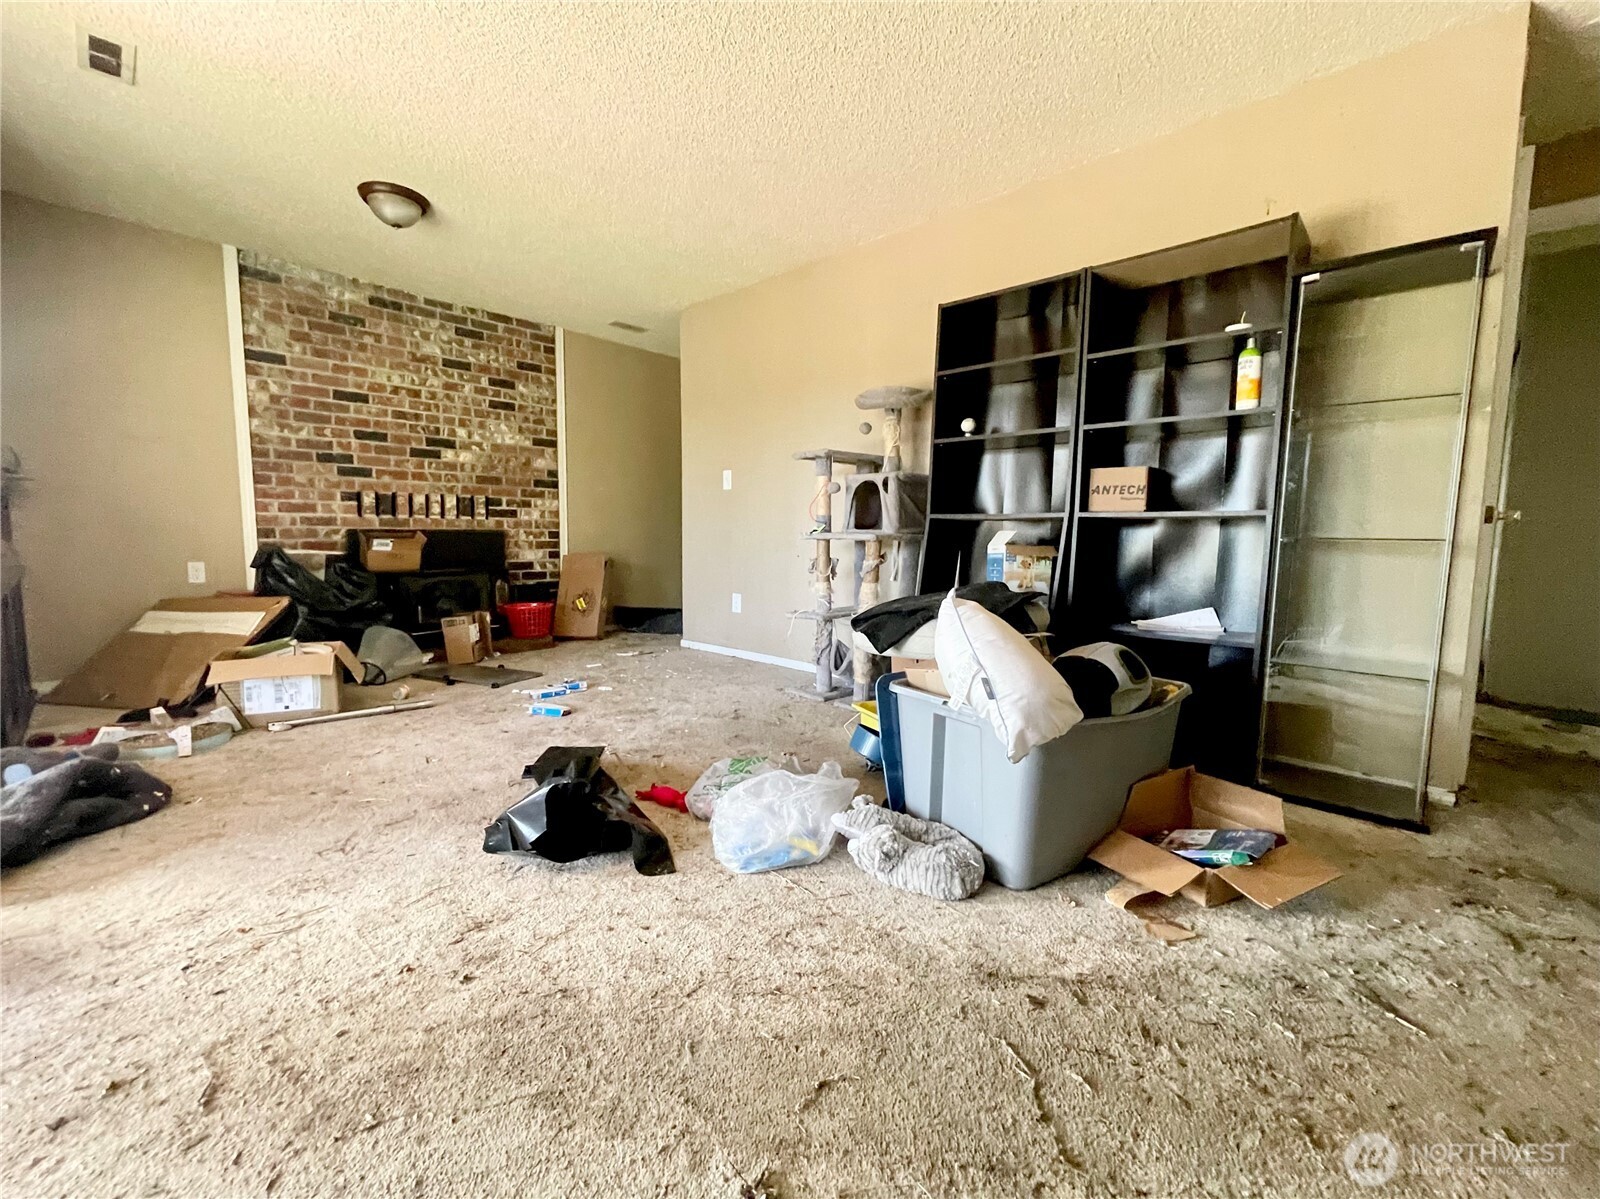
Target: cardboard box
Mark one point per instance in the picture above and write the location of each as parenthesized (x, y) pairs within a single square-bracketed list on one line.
[(583, 599), (1186, 799), (466, 638), (162, 657), (1126, 489), (921, 673), (391, 551), (1020, 567), (303, 681)]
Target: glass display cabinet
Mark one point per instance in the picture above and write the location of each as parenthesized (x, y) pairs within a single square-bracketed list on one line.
[(1378, 397)]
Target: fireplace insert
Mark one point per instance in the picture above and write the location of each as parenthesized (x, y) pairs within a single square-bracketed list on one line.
[(463, 570)]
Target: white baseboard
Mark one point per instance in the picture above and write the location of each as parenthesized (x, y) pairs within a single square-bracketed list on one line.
[(750, 655)]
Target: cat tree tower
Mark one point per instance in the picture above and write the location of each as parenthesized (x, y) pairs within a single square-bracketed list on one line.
[(885, 509)]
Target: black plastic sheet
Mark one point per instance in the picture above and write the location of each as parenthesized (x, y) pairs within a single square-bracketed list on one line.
[(577, 810)]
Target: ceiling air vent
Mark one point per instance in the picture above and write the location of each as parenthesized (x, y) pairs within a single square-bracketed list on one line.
[(627, 328), (100, 54)]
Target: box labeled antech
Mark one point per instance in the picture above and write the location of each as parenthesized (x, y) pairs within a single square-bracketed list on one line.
[(392, 551), (1185, 799), (1125, 488)]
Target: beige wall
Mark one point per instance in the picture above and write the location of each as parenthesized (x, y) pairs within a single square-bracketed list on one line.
[(1544, 646), (118, 395), (621, 480), (1418, 144)]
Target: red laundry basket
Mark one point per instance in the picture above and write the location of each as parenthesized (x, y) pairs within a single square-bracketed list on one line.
[(529, 622)]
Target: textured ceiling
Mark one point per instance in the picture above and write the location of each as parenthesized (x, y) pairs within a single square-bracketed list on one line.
[(591, 163)]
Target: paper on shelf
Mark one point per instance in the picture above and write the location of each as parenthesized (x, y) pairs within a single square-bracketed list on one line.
[(1198, 620)]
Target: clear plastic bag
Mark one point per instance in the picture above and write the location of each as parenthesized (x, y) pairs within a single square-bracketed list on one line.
[(779, 819), (727, 773)]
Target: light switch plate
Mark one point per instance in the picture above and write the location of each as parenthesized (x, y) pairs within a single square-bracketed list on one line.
[(727, 480), (197, 572)]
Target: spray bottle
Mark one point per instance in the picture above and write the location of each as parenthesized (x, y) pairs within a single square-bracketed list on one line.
[(1247, 376)]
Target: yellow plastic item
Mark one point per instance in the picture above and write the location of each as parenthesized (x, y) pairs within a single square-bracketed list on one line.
[(867, 714)]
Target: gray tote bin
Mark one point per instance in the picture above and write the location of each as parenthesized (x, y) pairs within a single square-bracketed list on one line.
[(1035, 819)]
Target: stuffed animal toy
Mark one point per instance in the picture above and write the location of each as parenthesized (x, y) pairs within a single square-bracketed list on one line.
[(914, 855)]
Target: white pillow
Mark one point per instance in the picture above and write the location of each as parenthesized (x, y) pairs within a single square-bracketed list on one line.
[(991, 668)]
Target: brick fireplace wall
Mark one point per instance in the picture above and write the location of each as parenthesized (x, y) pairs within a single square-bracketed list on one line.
[(372, 407)]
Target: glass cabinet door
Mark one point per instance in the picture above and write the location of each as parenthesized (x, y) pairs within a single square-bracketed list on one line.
[(1377, 411)]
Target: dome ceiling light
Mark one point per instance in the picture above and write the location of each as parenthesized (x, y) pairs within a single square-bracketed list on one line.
[(394, 204)]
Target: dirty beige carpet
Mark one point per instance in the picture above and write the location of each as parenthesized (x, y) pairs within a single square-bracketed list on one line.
[(306, 979)]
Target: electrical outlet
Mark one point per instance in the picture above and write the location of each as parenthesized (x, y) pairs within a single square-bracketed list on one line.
[(197, 572), (738, 602), (727, 480)]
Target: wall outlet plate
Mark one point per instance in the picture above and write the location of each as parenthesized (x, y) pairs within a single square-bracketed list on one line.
[(738, 602), (197, 572)]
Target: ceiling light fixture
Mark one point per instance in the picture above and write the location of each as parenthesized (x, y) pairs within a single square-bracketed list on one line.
[(628, 327), (394, 204)]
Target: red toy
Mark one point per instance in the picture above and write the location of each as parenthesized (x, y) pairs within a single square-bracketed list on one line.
[(664, 795)]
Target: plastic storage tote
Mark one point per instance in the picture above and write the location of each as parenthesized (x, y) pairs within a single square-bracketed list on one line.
[(1035, 819)]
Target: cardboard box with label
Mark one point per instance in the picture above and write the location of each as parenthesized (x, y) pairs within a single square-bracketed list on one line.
[(302, 680), (1126, 489), (466, 638), (583, 599), (1181, 799), (1020, 567), (162, 657), (392, 551)]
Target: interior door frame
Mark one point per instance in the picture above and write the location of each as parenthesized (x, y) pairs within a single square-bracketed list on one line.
[(1556, 218)]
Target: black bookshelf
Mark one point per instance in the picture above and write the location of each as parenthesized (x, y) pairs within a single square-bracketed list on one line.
[(1157, 390), (1008, 363), (1128, 364)]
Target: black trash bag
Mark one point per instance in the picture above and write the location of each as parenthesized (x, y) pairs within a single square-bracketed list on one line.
[(71, 793), (576, 811), (340, 606)]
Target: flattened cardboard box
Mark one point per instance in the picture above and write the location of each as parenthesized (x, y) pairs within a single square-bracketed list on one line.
[(392, 551), (287, 686), (1187, 799), (466, 638), (162, 657), (583, 599)]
